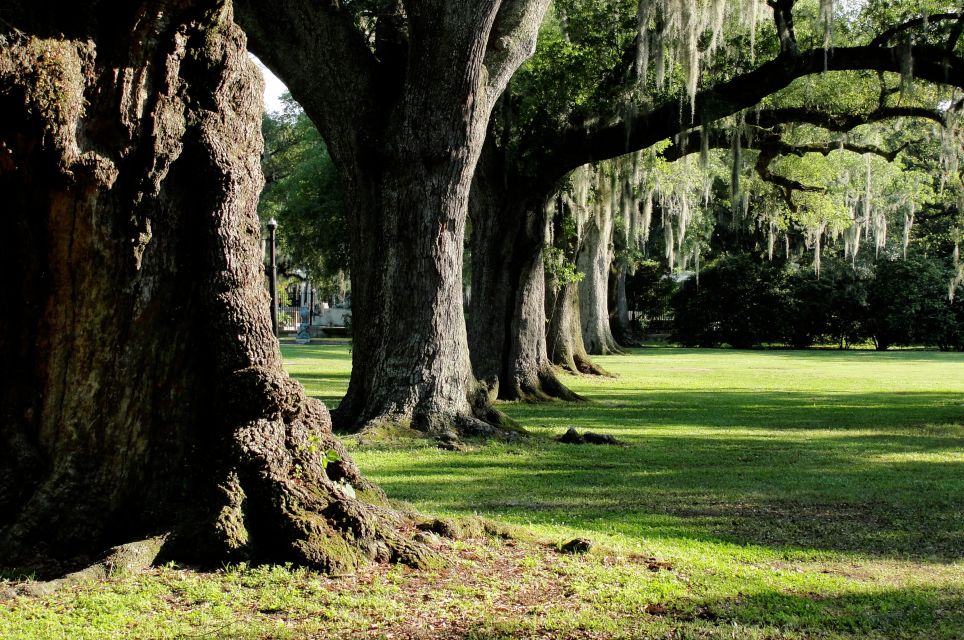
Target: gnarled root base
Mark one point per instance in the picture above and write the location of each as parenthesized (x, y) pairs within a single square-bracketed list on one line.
[(449, 427), (294, 494), (544, 387), (587, 367), (579, 364), (280, 489), (449, 430)]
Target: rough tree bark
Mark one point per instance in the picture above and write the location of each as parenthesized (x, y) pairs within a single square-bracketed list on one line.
[(507, 319), (564, 328), (595, 260), (142, 390), (404, 114)]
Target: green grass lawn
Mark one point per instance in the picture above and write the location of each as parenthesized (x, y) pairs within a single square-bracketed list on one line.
[(776, 494)]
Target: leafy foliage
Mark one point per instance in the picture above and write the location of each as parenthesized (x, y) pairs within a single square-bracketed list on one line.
[(303, 192), (908, 304), (745, 302)]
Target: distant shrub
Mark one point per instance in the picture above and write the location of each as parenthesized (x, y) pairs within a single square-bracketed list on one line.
[(745, 302), (732, 302), (908, 304), (804, 310)]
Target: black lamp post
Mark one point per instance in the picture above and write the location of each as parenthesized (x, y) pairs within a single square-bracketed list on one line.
[(273, 279)]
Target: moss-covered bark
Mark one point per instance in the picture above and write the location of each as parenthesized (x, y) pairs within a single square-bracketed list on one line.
[(142, 390)]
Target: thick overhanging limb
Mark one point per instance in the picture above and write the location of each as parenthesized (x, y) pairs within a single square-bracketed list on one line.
[(577, 147), (769, 121), (512, 40), (826, 148), (909, 25), (842, 122)]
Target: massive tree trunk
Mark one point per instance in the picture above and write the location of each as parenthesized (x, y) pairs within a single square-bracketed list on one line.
[(404, 112), (142, 390), (507, 320), (564, 330), (594, 261), (410, 353)]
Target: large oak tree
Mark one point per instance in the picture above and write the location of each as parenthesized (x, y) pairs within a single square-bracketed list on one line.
[(571, 109), (402, 92)]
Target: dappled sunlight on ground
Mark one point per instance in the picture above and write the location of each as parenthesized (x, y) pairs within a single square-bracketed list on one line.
[(774, 494)]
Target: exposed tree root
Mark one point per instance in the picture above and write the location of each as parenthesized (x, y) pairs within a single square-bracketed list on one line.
[(426, 535), (296, 496), (586, 366), (124, 559), (479, 419), (448, 430)]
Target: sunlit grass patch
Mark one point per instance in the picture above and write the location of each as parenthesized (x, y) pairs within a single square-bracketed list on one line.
[(761, 495)]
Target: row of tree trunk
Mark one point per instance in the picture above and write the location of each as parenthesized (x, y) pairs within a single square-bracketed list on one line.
[(143, 392), (524, 324)]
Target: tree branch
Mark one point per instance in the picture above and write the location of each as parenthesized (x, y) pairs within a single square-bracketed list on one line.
[(774, 147), (842, 122), (783, 183), (770, 119), (512, 40), (575, 148), (783, 17), (325, 56), (826, 148), (955, 35), (771, 146), (885, 37)]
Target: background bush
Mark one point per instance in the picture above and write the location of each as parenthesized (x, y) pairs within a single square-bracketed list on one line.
[(744, 302)]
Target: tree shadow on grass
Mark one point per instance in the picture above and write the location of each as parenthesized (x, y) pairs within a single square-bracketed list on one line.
[(923, 612), (625, 410), (863, 495), (931, 613), (870, 473), (322, 378)]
